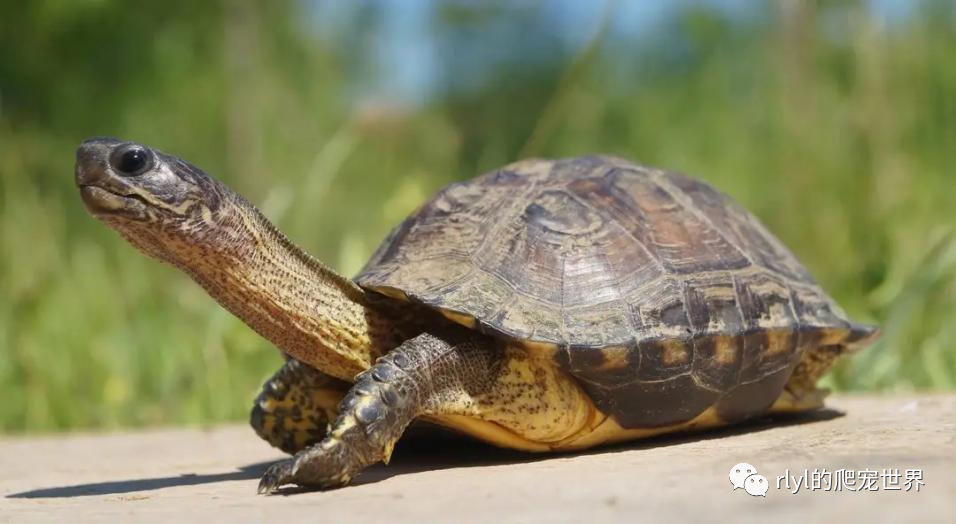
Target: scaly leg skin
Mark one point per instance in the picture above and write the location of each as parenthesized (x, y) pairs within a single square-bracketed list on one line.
[(429, 373), (297, 406)]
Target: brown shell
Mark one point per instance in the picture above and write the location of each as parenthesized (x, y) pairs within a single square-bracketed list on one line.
[(659, 292)]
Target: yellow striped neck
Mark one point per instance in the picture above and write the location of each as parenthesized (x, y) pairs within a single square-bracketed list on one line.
[(306, 309)]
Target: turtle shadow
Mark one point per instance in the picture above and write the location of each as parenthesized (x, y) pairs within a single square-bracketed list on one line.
[(427, 449), (118, 487)]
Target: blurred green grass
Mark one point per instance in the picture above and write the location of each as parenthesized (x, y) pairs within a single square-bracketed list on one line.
[(836, 128)]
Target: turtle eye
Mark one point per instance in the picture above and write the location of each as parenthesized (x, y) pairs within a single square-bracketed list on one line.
[(131, 160)]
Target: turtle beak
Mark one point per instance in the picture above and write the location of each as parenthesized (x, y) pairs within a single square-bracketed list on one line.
[(91, 160)]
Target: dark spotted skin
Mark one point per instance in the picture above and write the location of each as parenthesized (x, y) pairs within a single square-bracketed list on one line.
[(662, 296), (297, 406)]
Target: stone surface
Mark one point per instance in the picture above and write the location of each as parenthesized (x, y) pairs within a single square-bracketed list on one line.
[(211, 475)]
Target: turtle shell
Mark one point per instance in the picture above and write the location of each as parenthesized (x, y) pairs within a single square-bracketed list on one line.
[(658, 292)]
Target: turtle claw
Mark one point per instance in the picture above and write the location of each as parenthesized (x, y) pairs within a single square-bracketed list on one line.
[(313, 469), (278, 475)]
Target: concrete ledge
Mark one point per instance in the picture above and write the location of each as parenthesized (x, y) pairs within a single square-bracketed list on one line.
[(211, 475)]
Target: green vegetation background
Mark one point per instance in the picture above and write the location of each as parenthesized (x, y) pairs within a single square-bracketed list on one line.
[(835, 128)]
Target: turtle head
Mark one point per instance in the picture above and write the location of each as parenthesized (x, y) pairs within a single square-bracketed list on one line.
[(161, 204), (172, 211)]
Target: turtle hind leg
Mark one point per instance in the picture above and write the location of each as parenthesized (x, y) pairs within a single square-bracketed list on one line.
[(296, 406), (801, 392)]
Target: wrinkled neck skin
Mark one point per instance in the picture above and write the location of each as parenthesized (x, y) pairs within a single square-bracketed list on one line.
[(300, 305)]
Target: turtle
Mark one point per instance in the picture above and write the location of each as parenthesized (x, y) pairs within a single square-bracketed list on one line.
[(546, 306)]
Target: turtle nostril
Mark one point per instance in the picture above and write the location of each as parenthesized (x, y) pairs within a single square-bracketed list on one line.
[(92, 159), (89, 165)]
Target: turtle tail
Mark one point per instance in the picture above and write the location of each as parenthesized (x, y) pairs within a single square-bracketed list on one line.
[(861, 335)]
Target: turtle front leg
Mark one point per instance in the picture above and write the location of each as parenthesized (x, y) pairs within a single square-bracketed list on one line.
[(297, 406), (422, 375)]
